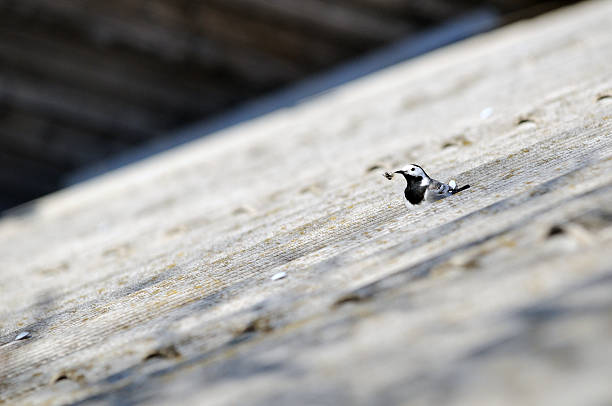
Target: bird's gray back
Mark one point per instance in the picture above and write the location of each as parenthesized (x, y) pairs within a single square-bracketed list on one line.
[(437, 190)]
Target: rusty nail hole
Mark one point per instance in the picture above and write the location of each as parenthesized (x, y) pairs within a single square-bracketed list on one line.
[(555, 230), (164, 353)]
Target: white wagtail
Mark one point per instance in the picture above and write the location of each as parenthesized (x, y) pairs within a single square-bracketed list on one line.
[(421, 188)]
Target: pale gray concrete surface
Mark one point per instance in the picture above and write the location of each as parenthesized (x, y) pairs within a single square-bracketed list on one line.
[(153, 284)]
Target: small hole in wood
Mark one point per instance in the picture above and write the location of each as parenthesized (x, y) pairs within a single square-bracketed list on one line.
[(244, 209), (374, 167), (154, 355), (459, 140), (70, 375), (314, 189), (555, 231), (356, 296), (525, 123), (61, 377), (260, 324), (163, 353)]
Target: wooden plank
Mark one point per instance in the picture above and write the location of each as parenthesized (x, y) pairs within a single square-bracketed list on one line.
[(156, 283)]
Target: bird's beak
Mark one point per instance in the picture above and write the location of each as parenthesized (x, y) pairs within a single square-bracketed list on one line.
[(400, 172)]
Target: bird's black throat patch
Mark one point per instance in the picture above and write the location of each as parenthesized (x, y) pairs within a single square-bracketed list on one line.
[(414, 192)]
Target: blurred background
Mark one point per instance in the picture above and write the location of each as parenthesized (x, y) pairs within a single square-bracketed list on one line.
[(85, 81)]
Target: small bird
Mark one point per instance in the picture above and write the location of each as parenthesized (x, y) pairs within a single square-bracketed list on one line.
[(421, 188)]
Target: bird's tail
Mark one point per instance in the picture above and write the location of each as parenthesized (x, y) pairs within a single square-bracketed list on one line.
[(457, 190)]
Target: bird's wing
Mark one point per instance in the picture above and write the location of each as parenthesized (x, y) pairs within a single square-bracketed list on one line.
[(437, 187), (437, 190)]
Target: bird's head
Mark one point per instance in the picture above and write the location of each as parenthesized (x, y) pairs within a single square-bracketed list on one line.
[(411, 172)]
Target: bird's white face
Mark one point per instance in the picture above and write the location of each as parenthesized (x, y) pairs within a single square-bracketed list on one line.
[(413, 170)]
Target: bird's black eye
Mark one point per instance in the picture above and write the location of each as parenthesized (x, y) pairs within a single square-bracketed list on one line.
[(412, 169)]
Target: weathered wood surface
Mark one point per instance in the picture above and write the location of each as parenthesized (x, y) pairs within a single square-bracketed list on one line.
[(153, 284)]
